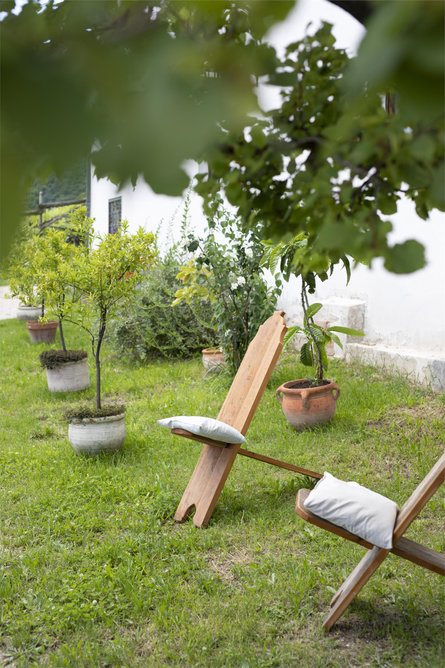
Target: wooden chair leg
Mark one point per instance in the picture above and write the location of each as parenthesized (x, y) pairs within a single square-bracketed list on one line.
[(353, 584), (206, 483)]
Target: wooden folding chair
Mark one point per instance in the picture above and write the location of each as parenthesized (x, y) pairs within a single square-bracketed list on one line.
[(217, 458), (402, 547)]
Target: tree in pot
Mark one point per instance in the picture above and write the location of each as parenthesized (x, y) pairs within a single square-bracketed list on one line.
[(55, 251), (24, 284), (106, 276), (308, 402)]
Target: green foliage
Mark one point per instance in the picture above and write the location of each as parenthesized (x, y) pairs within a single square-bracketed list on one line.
[(409, 39), (71, 186), (289, 257), (313, 168), (150, 327), (226, 270), (21, 269), (313, 350), (145, 85), (106, 276)]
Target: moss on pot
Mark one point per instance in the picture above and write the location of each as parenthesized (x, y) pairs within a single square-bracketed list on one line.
[(86, 411), (51, 359)]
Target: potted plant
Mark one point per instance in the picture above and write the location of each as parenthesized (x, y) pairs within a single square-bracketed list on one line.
[(106, 276), (307, 402), (23, 284), (56, 251)]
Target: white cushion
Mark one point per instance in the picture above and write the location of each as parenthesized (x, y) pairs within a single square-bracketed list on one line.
[(204, 426), (355, 508)]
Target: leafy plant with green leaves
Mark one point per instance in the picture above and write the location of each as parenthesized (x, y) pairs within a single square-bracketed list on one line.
[(313, 351), (226, 269), (106, 62), (55, 250), (106, 277), (310, 167), (20, 268), (150, 327), (288, 258)]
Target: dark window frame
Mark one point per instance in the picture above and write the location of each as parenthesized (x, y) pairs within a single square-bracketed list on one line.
[(114, 214)]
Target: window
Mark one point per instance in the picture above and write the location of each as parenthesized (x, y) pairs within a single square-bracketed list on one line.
[(114, 214)]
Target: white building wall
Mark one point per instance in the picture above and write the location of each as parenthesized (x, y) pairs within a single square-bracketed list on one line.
[(406, 310), (141, 207)]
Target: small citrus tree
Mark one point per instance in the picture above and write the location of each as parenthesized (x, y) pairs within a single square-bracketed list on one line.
[(107, 275), (54, 250), (21, 268)]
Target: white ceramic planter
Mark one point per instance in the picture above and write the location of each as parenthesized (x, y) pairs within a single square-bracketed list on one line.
[(28, 312), (69, 377), (90, 436)]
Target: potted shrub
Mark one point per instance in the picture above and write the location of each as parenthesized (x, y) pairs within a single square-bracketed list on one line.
[(106, 276), (23, 284), (307, 402), (56, 252)]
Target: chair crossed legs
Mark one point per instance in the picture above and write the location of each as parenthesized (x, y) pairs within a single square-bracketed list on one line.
[(402, 547)]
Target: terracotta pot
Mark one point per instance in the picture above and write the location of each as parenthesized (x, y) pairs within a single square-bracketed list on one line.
[(28, 312), (42, 332), (212, 358), (93, 435), (308, 406), (69, 377)]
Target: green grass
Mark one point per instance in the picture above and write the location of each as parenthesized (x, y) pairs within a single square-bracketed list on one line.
[(94, 572)]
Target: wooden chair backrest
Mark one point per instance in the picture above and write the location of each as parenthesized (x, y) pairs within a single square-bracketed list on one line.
[(253, 374), (421, 495)]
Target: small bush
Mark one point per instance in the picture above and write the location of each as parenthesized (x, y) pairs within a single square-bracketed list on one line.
[(152, 328), (51, 359)]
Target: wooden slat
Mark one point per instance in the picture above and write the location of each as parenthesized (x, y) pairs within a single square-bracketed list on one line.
[(420, 555), (242, 400), (248, 453), (279, 463), (354, 583), (421, 495)]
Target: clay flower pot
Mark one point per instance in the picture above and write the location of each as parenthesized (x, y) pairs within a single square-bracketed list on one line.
[(305, 406), (213, 358), (42, 332)]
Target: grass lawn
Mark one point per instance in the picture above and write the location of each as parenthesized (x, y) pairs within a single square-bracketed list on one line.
[(94, 571)]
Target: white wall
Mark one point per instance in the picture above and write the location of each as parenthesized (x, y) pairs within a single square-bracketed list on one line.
[(144, 208), (405, 311)]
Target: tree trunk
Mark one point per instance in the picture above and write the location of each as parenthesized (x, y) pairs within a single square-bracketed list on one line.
[(62, 338), (102, 327), (319, 363)]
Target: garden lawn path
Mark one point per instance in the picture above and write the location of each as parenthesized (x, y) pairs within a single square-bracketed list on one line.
[(8, 306)]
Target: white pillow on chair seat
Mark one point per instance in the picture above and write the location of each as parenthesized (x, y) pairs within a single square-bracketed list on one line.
[(204, 426), (357, 509)]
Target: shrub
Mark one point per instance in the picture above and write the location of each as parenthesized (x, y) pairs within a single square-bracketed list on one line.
[(226, 269), (152, 328)]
